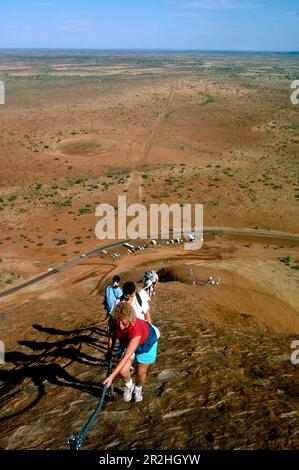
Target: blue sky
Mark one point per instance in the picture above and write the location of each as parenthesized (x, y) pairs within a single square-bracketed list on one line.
[(151, 24)]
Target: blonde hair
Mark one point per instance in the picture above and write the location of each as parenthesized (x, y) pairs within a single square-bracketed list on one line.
[(123, 310)]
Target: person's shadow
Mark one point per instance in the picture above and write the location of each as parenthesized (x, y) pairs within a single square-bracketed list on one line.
[(48, 362)]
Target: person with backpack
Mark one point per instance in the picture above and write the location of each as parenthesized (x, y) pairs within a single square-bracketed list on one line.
[(147, 283), (113, 294), (139, 340), (155, 280), (138, 299)]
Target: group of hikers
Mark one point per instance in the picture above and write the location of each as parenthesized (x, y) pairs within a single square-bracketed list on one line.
[(130, 322)]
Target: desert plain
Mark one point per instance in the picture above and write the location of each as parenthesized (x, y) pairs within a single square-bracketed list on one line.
[(81, 128)]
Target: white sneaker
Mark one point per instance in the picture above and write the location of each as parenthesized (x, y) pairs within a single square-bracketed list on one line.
[(128, 392), (138, 394)]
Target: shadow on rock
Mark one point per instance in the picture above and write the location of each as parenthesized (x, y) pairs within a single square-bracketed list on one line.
[(40, 369)]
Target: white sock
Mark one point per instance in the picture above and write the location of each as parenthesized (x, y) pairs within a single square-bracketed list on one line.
[(138, 388), (129, 384)]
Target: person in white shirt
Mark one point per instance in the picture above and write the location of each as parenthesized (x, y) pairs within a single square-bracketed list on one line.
[(138, 299), (155, 280), (148, 287)]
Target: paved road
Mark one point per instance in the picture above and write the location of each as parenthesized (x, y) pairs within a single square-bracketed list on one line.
[(79, 259)]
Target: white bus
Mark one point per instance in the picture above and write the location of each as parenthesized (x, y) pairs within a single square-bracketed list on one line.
[(190, 237), (127, 245)]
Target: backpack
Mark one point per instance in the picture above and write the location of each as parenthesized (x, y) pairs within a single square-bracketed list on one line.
[(110, 299), (139, 299), (149, 342), (148, 276)]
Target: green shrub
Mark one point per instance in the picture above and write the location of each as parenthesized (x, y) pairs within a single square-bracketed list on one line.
[(85, 210)]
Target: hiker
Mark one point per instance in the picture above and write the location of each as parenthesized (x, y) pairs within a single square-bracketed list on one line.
[(155, 280), (147, 283), (113, 294), (140, 340), (138, 299)]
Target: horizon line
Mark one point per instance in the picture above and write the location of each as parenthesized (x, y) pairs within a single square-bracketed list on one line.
[(278, 51)]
